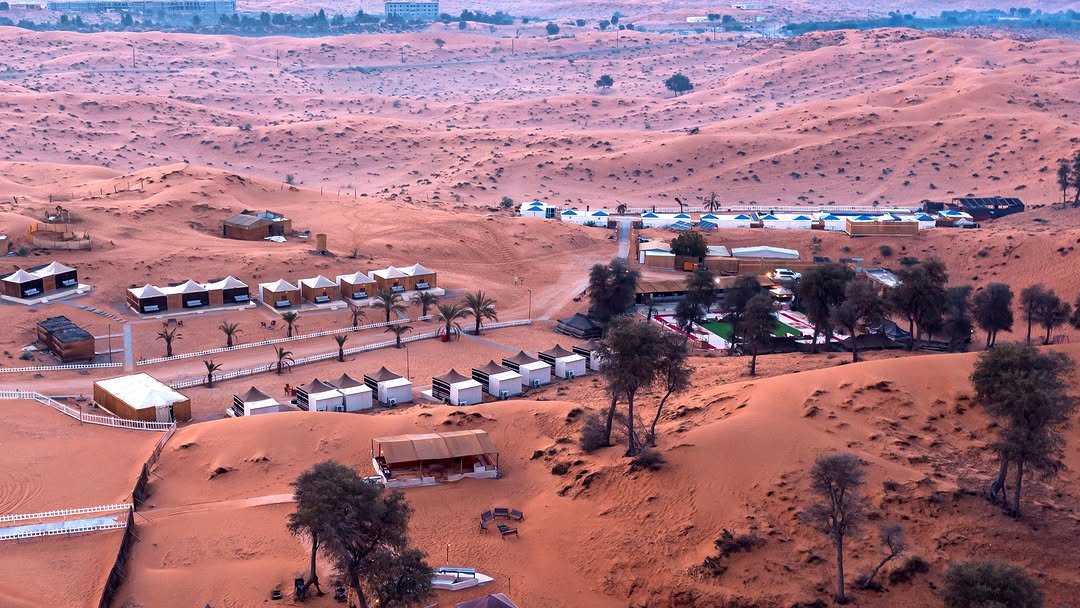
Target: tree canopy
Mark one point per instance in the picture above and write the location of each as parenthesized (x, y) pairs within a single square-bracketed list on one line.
[(690, 244), (678, 84), (821, 289), (611, 289), (993, 310), (990, 584)]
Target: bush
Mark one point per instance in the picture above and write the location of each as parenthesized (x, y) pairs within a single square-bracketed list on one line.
[(978, 584), (648, 459), (728, 543), (907, 571), (886, 251), (592, 433)]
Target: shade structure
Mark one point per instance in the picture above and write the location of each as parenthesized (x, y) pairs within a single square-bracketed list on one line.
[(141, 397), (253, 402), (398, 449)]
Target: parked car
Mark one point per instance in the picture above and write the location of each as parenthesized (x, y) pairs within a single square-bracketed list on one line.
[(783, 275)]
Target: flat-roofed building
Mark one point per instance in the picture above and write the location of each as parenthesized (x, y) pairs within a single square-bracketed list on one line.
[(412, 11)]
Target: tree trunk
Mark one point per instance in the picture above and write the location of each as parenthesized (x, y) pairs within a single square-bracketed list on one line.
[(387, 314), (854, 347), (877, 568), (354, 582), (753, 362), (1029, 329), (911, 332), (814, 345), (476, 330), (840, 597), (631, 440), (610, 417), (313, 578), (1019, 485), (1047, 340), (341, 354), (659, 410), (998, 486)]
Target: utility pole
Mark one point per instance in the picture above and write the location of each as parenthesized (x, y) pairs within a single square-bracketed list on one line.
[(133, 55)]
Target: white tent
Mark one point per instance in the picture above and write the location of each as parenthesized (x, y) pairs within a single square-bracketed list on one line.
[(534, 209), (319, 282), (787, 221), (252, 403), (832, 222), (657, 220), (731, 220), (535, 374), (320, 397), (765, 251), (355, 394), (926, 221), (570, 367), (574, 216)]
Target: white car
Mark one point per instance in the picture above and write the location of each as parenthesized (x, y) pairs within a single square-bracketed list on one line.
[(784, 275)]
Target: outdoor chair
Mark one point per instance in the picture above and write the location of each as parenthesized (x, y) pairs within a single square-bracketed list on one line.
[(487, 515), (484, 524), (516, 515), (506, 530), (502, 512)]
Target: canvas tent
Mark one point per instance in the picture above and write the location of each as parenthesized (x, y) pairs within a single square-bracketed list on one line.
[(280, 294), (429, 458), (229, 290), (591, 351), (390, 388), (253, 402), (497, 380), (355, 286), (567, 365), (318, 396), (318, 290), (580, 326), (534, 372), (141, 397), (355, 393), (422, 278), (456, 389)]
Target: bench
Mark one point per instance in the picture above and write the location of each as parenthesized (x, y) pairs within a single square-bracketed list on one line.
[(506, 530), (502, 512)]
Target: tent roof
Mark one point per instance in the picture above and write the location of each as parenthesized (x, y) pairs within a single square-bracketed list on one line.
[(229, 282), (190, 286), (243, 219), (491, 367), (569, 212), (383, 375), (389, 273), (434, 446), (21, 276), (279, 286), (347, 381), (522, 358), (452, 377), (146, 291), (356, 278), (141, 391), (318, 282), (416, 270), (252, 395), (495, 600), (52, 269), (591, 345), (316, 386), (580, 321), (764, 251), (556, 351)]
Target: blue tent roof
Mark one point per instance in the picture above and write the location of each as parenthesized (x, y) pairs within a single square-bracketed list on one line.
[(682, 226), (569, 212), (830, 217), (600, 212), (802, 218), (706, 225), (650, 214), (866, 218), (709, 216), (922, 217), (742, 216), (768, 217), (536, 208), (682, 216)]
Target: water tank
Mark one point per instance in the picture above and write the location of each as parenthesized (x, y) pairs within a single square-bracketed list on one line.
[(320, 242)]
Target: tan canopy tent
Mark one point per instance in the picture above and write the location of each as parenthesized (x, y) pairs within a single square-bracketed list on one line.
[(432, 446)]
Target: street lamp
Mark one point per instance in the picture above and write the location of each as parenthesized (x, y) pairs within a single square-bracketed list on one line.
[(408, 366), (530, 302)]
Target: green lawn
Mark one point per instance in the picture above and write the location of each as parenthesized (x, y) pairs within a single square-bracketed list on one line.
[(723, 329)]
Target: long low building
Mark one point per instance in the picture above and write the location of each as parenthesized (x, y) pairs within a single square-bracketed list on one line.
[(188, 295), (432, 458), (39, 281), (141, 397), (66, 340)]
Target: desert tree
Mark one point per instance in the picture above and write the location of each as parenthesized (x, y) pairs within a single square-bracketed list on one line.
[(862, 305), (1030, 299), (631, 354), (1074, 319), (1064, 179), (836, 479), (315, 494), (425, 300), (678, 84), (1026, 392), (712, 202), (993, 310), (340, 340), (451, 315), (551, 28), (611, 289), (211, 369), (290, 319), (605, 82), (1051, 311), (736, 298), (362, 529), (168, 335), (821, 289), (481, 308), (356, 314), (891, 536), (989, 584), (230, 330), (958, 323), (691, 244), (1074, 180), (439, 42), (398, 331), (699, 298), (389, 301), (920, 297), (673, 375), (284, 359), (757, 326)]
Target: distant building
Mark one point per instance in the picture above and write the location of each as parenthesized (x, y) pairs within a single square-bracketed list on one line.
[(412, 11), (987, 208), (161, 9), (255, 225), (66, 340)]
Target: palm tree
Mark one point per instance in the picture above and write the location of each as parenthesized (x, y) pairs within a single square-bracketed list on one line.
[(424, 299), (290, 322), (357, 313), (621, 209), (230, 330), (284, 359), (712, 203), (389, 300), (398, 330), (341, 339), (168, 335), (450, 315), (481, 308), (211, 367)]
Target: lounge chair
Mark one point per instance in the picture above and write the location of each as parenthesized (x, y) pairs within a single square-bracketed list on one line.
[(516, 515), (487, 515), (502, 512), (506, 530), (484, 524)]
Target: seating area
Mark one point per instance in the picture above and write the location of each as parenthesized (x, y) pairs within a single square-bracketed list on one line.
[(501, 513)]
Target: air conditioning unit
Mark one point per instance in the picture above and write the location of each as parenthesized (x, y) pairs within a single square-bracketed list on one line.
[(339, 408), (535, 383), (504, 394), (391, 402), (569, 374), (463, 402)]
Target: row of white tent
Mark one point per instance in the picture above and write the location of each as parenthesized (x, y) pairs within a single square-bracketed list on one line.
[(783, 221)]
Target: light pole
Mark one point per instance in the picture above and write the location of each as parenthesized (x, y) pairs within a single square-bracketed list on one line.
[(408, 366), (530, 302)]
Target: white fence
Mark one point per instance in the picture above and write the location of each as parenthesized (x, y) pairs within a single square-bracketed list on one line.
[(113, 525), (318, 334), (269, 367), (65, 512), (54, 368), (78, 414)]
